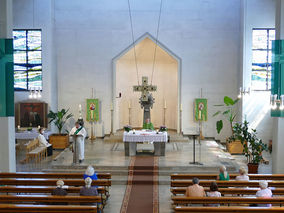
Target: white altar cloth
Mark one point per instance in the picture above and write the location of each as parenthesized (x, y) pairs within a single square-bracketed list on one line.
[(30, 135), (145, 136)]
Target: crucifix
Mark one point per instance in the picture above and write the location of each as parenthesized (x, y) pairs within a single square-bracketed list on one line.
[(146, 99)]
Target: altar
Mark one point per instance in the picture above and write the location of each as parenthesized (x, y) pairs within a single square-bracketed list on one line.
[(131, 139)]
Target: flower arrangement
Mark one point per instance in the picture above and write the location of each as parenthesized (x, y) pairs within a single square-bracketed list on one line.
[(163, 129), (127, 128)]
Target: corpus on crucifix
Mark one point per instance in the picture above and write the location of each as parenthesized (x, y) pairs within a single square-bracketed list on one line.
[(146, 101)]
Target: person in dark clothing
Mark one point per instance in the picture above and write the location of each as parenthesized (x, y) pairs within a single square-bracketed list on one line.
[(60, 191)]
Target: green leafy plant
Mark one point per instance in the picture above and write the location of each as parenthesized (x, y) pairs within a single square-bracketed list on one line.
[(59, 118), (253, 146), (229, 112)]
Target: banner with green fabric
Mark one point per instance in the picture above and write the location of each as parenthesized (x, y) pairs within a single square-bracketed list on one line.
[(92, 111)]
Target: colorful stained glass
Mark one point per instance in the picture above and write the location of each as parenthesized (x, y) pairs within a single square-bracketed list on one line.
[(34, 40), (20, 80), (20, 42), (262, 58), (27, 59)]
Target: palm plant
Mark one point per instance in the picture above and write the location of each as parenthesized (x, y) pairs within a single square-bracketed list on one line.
[(59, 118)]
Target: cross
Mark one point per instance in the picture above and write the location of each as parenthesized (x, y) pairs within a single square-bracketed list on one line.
[(145, 88)]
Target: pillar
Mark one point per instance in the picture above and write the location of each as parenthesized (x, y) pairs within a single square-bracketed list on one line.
[(7, 121)]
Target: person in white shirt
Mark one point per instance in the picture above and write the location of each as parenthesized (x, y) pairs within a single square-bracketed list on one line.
[(213, 192), (44, 142), (264, 192), (79, 130), (243, 175)]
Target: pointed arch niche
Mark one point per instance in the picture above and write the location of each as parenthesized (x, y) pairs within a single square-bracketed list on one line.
[(166, 77)]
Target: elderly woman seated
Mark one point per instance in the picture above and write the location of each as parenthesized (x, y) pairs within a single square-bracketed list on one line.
[(243, 175), (264, 192), (59, 190)]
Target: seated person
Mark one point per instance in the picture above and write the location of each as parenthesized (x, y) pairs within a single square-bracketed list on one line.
[(59, 190), (195, 190), (90, 172), (264, 192), (243, 175), (43, 142), (213, 192), (88, 190), (148, 125), (223, 175)]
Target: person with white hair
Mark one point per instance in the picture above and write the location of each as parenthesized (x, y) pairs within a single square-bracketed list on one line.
[(90, 172), (243, 175), (223, 175), (264, 192), (59, 190), (88, 190)]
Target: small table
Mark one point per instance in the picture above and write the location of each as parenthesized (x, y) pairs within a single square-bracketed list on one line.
[(131, 139)]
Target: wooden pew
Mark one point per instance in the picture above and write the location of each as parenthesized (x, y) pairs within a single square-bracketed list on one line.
[(51, 182), (182, 200), (184, 209), (47, 190), (232, 176), (231, 191), (51, 175), (46, 208), (40, 189), (232, 183)]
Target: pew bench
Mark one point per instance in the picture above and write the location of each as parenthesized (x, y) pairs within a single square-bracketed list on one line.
[(46, 208), (232, 176), (184, 209), (231, 183), (230, 191), (184, 201)]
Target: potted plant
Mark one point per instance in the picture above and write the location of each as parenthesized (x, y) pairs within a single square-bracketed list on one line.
[(127, 128), (253, 146), (163, 129), (229, 111), (59, 141)]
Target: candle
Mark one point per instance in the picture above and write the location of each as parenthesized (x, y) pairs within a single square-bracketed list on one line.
[(180, 107), (199, 115), (129, 104), (38, 126), (165, 104), (111, 106), (80, 107), (19, 127)]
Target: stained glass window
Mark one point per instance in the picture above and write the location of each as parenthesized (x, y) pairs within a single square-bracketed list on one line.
[(261, 58), (27, 60)]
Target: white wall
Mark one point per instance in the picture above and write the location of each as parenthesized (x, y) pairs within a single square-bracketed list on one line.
[(89, 33), (39, 14), (257, 14)]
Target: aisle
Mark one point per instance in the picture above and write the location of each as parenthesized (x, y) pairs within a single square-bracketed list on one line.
[(142, 191)]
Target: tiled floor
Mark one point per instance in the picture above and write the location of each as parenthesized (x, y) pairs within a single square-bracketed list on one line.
[(110, 157)]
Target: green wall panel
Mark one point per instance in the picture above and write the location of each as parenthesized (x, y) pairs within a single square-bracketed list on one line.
[(6, 78)]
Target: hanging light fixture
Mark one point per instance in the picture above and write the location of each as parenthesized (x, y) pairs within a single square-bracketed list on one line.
[(243, 92), (276, 103)]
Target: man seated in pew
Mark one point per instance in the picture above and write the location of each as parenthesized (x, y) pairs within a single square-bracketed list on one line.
[(59, 190), (213, 193), (243, 175), (43, 141), (195, 190), (223, 175), (264, 192)]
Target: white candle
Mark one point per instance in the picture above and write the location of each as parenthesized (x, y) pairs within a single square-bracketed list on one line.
[(129, 104), (165, 104), (111, 106), (38, 127), (80, 107), (19, 127), (199, 115), (180, 107)]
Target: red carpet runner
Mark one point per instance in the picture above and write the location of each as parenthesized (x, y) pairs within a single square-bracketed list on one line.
[(142, 191)]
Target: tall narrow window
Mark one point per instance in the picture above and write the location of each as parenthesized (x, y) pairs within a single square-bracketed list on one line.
[(261, 58), (27, 60)]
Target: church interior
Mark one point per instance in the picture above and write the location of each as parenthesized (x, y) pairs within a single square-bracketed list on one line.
[(129, 106)]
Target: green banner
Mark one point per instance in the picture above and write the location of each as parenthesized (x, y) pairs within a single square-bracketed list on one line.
[(92, 110), (200, 109)]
